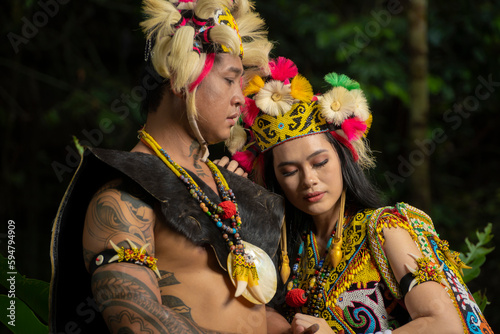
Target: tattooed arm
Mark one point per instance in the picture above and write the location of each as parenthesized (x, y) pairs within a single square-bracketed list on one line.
[(128, 295)]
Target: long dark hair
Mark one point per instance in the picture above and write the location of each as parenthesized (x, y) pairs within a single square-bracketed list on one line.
[(360, 192)]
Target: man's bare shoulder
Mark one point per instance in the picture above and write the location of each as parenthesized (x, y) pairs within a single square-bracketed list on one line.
[(117, 212)]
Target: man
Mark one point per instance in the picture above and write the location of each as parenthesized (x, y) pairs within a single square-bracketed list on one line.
[(169, 249)]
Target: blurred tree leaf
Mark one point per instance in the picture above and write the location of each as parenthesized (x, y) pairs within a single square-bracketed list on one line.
[(476, 254), (481, 300), (24, 320), (33, 292)]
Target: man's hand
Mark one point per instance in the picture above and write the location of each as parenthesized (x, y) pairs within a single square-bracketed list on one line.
[(306, 324), (231, 165)]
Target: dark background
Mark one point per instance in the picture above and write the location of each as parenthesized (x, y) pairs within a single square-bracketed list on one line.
[(71, 68)]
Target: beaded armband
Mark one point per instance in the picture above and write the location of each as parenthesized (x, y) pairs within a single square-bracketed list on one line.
[(120, 254), (426, 271)]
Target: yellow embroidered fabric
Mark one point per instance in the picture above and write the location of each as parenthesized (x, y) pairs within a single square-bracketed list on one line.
[(303, 119), (225, 17), (361, 293), (421, 228)]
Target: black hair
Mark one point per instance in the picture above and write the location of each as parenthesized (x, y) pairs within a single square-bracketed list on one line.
[(154, 93)]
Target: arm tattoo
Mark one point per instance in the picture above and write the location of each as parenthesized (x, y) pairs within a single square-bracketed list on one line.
[(114, 211), (88, 255), (133, 306)]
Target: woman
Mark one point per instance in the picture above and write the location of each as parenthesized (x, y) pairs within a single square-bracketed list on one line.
[(381, 269)]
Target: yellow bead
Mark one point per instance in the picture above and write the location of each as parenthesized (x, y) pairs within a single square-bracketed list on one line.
[(312, 282)]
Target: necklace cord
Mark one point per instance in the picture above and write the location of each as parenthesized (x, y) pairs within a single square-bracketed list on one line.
[(285, 261)]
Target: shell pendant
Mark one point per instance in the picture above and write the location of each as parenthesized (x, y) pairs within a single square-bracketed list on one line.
[(253, 274)]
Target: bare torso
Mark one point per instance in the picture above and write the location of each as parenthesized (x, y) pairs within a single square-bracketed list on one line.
[(194, 285)]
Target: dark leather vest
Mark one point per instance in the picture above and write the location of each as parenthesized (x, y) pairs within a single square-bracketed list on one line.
[(71, 304)]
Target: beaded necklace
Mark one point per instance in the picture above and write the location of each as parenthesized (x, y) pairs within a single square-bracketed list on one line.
[(315, 289), (296, 297), (217, 212), (243, 268)]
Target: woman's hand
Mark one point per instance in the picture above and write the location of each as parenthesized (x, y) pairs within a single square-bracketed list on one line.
[(306, 324), (231, 165)]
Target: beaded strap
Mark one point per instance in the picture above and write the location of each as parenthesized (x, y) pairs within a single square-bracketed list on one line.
[(121, 254), (426, 271)]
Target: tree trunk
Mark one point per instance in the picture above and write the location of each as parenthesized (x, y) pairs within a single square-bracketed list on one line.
[(419, 104)]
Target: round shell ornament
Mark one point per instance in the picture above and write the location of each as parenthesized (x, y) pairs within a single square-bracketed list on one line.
[(264, 291)]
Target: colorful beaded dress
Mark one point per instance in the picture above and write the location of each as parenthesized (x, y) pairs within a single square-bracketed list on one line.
[(361, 295)]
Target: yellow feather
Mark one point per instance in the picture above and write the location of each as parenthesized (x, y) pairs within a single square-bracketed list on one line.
[(254, 86), (368, 124), (301, 89)]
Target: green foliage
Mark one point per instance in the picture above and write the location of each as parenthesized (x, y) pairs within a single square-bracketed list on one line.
[(475, 258), (30, 298), (25, 320), (476, 254), (481, 299)]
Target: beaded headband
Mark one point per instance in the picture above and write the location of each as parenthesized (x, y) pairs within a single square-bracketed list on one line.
[(282, 107)]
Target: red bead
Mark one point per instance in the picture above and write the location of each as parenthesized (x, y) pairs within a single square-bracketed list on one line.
[(295, 298)]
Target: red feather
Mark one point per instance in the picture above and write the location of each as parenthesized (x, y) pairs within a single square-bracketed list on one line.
[(353, 128), (346, 143), (250, 111), (245, 159), (282, 69)]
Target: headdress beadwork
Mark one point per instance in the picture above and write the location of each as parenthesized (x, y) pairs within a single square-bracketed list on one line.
[(281, 107)]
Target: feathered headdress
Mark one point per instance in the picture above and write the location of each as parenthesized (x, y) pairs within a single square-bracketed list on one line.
[(183, 37), (281, 106)]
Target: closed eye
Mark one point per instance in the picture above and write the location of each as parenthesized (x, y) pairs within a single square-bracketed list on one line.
[(289, 173), (321, 164)]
